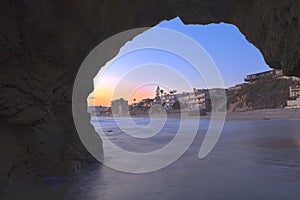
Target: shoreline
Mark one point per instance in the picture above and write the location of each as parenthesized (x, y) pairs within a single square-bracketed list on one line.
[(262, 114), (265, 114)]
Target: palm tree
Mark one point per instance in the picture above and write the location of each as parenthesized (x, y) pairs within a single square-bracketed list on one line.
[(134, 101)]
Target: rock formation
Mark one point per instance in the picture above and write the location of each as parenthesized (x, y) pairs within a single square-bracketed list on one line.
[(263, 94), (43, 44)]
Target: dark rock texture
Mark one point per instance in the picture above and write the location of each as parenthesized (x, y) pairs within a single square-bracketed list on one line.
[(44, 42)]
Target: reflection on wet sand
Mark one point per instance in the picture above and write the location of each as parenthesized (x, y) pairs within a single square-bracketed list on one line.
[(258, 159)]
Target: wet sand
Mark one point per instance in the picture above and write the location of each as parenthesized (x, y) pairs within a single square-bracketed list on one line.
[(253, 159), (263, 114)]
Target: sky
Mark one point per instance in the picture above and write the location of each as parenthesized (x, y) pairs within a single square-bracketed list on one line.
[(152, 59)]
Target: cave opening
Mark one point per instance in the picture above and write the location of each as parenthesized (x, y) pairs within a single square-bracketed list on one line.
[(166, 70), (233, 55)]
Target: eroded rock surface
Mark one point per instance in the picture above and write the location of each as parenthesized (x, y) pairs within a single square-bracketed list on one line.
[(44, 42)]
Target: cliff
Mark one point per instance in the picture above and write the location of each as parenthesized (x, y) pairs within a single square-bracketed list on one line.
[(263, 94)]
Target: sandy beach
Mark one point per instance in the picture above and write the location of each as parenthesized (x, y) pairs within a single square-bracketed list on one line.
[(263, 114), (253, 159)]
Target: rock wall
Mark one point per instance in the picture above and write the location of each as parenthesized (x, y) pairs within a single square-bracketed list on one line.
[(44, 42)]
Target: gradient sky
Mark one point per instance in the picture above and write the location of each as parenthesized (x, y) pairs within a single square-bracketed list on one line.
[(233, 55)]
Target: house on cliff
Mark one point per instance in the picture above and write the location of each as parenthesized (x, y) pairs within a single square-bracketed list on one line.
[(294, 100), (272, 74)]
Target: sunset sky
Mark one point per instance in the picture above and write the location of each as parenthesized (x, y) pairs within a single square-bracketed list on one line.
[(137, 74)]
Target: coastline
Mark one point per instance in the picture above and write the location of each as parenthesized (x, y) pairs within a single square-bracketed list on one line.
[(262, 114), (265, 114)]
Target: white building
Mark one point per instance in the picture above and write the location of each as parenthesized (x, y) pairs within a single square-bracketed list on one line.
[(294, 101), (168, 100), (119, 107), (295, 91), (193, 100), (274, 74)]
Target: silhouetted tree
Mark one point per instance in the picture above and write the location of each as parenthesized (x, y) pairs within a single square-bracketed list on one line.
[(176, 105)]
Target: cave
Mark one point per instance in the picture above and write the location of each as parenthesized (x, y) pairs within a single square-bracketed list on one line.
[(43, 44)]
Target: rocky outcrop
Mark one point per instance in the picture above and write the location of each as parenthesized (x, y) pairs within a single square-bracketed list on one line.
[(44, 42), (263, 94), (42, 46), (239, 103)]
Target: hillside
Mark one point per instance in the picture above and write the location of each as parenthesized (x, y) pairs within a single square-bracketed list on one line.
[(264, 94)]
